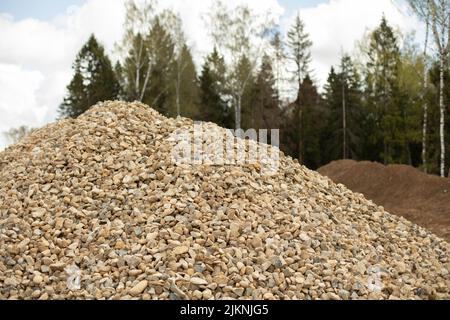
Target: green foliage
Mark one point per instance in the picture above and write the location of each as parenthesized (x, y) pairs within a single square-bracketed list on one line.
[(94, 80), (184, 76), (303, 124), (299, 46), (266, 114), (214, 97), (381, 72), (343, 89)]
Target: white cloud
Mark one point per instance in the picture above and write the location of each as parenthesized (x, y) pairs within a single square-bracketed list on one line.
[(18, 91), (36, 56), (338, 24)]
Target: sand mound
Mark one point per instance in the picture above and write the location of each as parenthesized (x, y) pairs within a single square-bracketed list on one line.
[(402, 190), (96, 208)]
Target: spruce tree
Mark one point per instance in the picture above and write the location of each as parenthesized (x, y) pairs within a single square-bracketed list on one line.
[(243, 73), (214, 97), (382, 88), (343, 103), (299, 45), (94, 80), (186, 83), (266, 112), (302, 126), (161, 58)]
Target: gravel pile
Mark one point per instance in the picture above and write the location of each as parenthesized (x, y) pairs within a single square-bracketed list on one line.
[(95, 208)]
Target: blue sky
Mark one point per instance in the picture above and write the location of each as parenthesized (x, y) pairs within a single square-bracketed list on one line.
[(42, 9), (47, 9)]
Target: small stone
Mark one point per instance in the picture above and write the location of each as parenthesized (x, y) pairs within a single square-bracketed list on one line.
[(198, 294), (120, 245), (207, 294), (234, 229), (11, 282), (221, 279), (139, 288), (127, 179), (304, 237), (38, 213), (401, 267), (180, 250), (44, 296), (256, 242), (332, 296), (198, 281), (238, 291), (37, 279), (268, 296), (278, 262), (59, 266)]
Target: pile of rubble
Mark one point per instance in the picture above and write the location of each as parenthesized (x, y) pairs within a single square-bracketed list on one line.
[(97, 208)]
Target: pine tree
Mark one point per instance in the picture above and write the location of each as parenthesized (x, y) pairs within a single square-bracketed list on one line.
[(265, 107), (409, 101), (382, 87), (343, 103), (299, 46), (214, 98), (302, 126), (118, 70), (279, 62), (185, 91), (94, 80), (243, 73), (161, 58)]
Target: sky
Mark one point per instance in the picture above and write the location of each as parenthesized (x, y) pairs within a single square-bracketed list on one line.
[(40, 39)]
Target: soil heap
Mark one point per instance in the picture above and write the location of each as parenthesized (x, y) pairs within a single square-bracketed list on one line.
[(402, 190)]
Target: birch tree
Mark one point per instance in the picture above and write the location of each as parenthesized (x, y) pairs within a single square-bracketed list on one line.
[(139, 19), (421, 9), (239, 34), (174, 25), (440, 26)]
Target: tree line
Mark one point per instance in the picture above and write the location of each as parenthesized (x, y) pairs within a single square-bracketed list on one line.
[(387, 103)]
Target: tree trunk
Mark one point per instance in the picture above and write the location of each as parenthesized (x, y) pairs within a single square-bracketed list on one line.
[(237, 113), (344, 122), (442, 113), (425, 104), (144, 87), (177, 89), (138, 70), (300, 139)]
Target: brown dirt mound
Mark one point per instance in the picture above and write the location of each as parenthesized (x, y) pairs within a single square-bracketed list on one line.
[(403, 190)]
